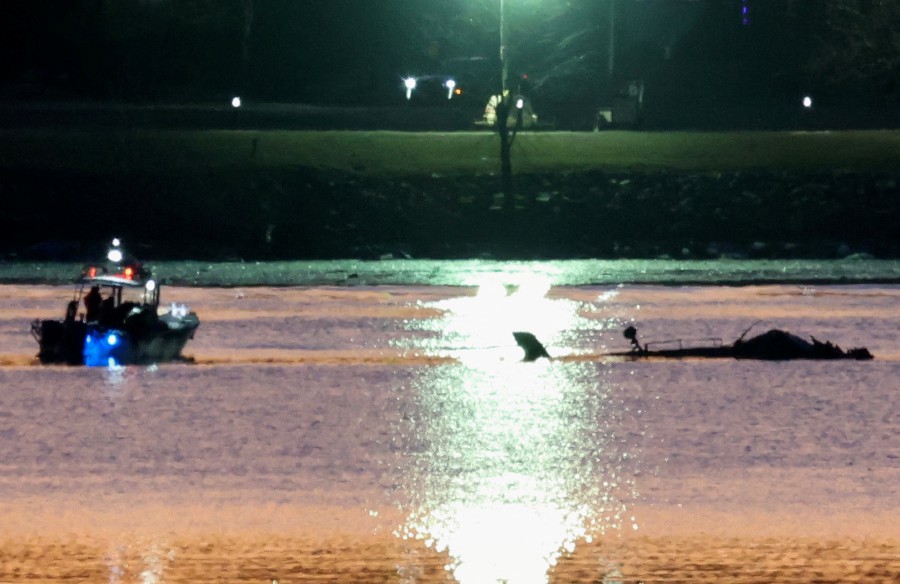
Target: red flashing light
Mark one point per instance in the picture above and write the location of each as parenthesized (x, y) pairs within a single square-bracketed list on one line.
[(128, 273), (92, 272)]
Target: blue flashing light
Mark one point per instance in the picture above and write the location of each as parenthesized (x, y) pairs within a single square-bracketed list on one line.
[(105, 348)]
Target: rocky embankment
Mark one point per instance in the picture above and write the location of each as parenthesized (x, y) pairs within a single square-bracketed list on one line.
[(316, 214)]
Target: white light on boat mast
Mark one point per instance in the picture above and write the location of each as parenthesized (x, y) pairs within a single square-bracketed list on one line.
[(115, 254)]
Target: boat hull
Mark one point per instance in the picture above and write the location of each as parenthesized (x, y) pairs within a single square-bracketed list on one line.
[(78, 343)]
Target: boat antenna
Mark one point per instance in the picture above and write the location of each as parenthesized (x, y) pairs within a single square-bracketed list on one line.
[(744, 334)]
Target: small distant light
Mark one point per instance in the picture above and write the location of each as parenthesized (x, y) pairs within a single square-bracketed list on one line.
[(112, 363), (114, 255), (150, 285), (457, 91), (520, 103), (807, 102), (235, 102), (129, 273), (112, 340), (116, 242)]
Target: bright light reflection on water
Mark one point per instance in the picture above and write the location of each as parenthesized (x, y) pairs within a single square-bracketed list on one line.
[(510, 464)]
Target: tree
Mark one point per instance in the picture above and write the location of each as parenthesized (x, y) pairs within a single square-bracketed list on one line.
[(857, 46)]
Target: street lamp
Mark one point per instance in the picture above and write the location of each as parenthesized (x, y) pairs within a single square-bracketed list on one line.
[(502, 123), (504, 68)]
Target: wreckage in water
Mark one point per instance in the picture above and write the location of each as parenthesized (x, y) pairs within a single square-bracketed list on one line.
[(772, 345)]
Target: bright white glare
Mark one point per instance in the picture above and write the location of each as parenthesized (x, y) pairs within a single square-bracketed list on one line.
[(235, 102), (112, 339), (484, 324), (410, 83), (506, 489), (114, 255), (503, 541), (178, 310), (807, 102), (116, 242), (450, 84), (520, 103), (150, 285)]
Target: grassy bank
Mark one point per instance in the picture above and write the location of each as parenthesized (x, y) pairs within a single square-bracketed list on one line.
[(458, 153), (301, 194)]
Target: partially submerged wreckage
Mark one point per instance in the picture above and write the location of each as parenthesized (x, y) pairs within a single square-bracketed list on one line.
[(772, 345)]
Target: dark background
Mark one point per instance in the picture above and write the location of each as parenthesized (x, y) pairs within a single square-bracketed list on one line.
[(709, 64), (756, 56)]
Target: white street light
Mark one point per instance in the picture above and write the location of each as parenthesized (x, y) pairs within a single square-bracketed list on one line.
[(410, 84), (450, 84)]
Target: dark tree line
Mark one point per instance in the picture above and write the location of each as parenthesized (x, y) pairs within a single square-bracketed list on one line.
[(354, 51)]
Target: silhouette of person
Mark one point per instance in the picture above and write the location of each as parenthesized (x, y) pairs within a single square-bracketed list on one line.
[(92, 302), (71, 310), (630, 333)]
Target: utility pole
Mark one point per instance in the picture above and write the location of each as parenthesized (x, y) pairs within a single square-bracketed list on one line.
[(503, 108), (611, 64)]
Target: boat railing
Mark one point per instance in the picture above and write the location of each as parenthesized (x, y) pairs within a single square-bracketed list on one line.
[(683, 343)]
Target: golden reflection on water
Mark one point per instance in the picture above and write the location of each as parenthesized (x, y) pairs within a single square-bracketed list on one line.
[(510, 464)]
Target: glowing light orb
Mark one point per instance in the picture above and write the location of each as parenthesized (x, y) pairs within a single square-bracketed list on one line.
[(114, 255), (410, 84), (235, 102), (450, 84), (807, 102), (112, 339)]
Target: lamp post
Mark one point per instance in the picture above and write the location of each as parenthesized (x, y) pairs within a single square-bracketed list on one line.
[(611, 64), (503, 107), (504, 68)]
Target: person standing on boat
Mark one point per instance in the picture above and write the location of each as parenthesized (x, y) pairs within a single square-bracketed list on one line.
[(92, 302)]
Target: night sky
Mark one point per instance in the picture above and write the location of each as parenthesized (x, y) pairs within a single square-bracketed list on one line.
[(354, 51)]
